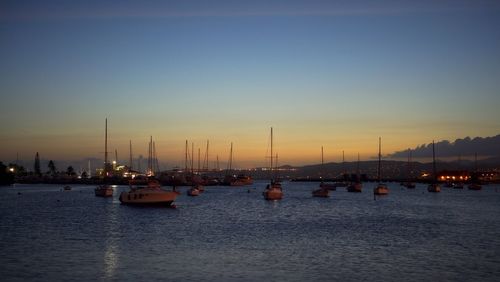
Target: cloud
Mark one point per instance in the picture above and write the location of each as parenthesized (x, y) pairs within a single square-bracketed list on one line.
[(485, 147)]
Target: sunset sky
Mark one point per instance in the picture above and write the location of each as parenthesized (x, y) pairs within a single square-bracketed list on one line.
[(337, 74)]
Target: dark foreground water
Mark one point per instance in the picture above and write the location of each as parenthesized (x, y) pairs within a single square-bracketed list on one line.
[(228, 234)]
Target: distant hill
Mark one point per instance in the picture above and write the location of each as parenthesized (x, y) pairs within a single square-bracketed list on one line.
[(484, 147)]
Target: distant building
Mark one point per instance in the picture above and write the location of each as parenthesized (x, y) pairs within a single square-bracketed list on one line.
[(454, 175)]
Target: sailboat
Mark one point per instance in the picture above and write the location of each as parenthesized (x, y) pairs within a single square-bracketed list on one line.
[(324, 188), (273, 190), (475, 185), (381, 188), (342, 182), (233, 180), (409, 184), (356, 186), (105, 190), (434, 186), (152, 194)]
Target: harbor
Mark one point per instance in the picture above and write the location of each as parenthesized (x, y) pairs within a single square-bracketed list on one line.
[(230, 234)]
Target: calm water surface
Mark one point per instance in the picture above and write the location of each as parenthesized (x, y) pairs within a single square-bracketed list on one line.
[(230, 234)]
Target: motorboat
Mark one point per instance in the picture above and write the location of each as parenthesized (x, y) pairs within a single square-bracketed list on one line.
[(103, 191)]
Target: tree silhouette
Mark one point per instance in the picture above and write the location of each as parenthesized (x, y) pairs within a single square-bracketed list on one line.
[(37, 165), (6, 177), (70, 171), (52, 168)]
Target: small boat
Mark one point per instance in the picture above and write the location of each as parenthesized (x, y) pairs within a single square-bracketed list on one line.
[(434, 187), (67, 188), (356, 186), (321, 192), (410, 185), (381, 188), (193, 191), (324, 188), (475, 186), (273, 191), (103, 191), (458, 185), (152, 194), (235, 180), (241, 180)]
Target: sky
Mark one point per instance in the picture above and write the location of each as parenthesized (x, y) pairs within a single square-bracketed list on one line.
[(336, 74)]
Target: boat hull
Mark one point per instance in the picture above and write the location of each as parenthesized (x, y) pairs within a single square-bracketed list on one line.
[(103, 191), (355, 188), (273, 192), (145, 197), (193, 192), (410, 185), (381, 189), (474, 187), (321, 192), (434, 188)]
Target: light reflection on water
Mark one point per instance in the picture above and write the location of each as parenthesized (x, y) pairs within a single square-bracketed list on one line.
[(228, 234)]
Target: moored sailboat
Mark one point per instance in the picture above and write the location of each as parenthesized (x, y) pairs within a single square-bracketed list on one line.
[(152, 194), (475, 183), (273, 190), (381, 188), (434, 186), (105, 190), (356, 186), (323, 190), (409, 184)]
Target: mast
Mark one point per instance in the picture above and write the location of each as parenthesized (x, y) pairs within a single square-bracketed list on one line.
[(198, 160), (230, 165), (322, 167), (186, 157), (192, 157), (343, 165), (379, 158), (106, 148), (150, 156), (206, 158), (409, 164), (357, 170), (218, 167), (272, 154), (130, 156), (434, 162), (156, 166)]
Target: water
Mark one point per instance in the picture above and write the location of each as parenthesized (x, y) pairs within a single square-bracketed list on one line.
[(228, 234)]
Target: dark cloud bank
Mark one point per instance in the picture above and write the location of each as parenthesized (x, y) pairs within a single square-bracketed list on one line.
[(484, 147)]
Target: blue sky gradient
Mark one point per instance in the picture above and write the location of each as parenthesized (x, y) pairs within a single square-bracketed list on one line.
[(331, 73)]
